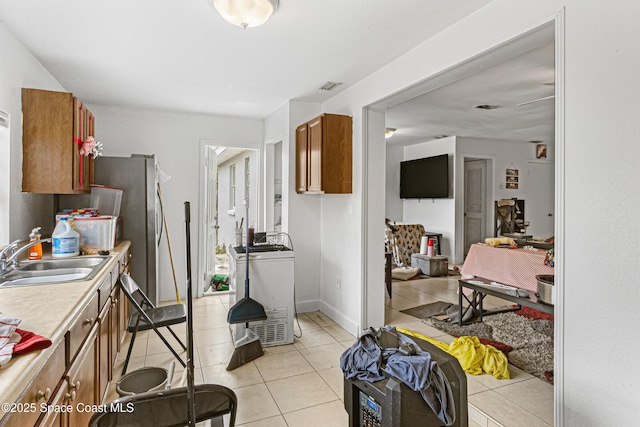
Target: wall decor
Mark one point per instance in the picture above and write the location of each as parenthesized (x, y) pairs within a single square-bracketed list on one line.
[(512, 177), (541, 151)]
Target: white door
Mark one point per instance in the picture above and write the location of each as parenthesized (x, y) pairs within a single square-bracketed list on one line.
[(475, 190), (211, 215), (540, 206)]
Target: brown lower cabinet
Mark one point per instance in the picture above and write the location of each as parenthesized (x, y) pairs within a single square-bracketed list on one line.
[(81, 389), (76, 377)]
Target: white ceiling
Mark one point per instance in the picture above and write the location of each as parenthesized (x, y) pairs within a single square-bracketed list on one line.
[(179, 55), (450, 109)]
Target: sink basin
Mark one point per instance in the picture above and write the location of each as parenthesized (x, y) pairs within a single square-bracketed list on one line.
[(54, 264), (54, 271)]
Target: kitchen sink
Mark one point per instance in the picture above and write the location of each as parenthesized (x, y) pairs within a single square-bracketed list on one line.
[(54, 271), (59, 263)]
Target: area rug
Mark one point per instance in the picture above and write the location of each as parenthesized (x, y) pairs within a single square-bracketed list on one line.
[(525, 336), (426, 311)]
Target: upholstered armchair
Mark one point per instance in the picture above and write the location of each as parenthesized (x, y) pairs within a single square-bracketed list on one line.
[(402, 240)]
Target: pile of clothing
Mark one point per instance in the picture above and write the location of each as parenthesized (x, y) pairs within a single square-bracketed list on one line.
[(366, 360)]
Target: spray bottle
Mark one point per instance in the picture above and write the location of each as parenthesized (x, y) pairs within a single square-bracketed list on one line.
[(35, 251)]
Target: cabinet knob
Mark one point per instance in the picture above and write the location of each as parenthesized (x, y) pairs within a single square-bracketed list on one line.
[(69, 397), (88, 321), (74, 386), (43, 394)]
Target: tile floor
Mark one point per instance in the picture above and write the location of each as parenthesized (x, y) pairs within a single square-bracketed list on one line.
[(523, 400), (301, 384)]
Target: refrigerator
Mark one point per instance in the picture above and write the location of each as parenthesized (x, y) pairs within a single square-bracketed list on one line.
[(140, 211)]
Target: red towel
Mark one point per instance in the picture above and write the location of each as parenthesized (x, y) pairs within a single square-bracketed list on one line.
[(30, 342)]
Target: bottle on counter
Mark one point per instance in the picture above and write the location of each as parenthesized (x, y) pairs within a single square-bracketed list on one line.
[(35, 251), (65, 240)]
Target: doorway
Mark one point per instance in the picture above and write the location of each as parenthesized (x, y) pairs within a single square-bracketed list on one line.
[(475, 202), (372, 288), (230, 202)]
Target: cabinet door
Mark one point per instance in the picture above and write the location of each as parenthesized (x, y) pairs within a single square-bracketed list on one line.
[(55, 418), (302, 133), (82, 380), (104, 351), (83, 127), (314, 164), (47, 146)]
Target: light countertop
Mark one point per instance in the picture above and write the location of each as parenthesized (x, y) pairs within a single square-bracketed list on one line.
[(48, 310)]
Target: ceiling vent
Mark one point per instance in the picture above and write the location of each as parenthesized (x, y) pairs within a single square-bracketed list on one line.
[(536, 141), (329, 86), (441, 136), (487, 106)]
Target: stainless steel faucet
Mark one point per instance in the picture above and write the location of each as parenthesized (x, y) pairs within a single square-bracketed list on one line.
[(6, 263)]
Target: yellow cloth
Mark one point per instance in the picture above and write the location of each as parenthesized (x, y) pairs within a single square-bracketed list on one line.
[(475, 358), (495, 241)]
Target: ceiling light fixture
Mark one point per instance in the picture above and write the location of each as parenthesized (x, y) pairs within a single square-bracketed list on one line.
[(388, 132), (246, 13)]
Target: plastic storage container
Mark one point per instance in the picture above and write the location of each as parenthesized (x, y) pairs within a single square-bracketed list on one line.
[(106, 199), (65, 240), (96, 234)]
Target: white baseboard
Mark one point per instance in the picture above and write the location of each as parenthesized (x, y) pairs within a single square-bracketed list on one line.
[(308, 306), (346, 323)]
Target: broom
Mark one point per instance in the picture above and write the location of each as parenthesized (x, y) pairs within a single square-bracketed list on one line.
[(248, 347)]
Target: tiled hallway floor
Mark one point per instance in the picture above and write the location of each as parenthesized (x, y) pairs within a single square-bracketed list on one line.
[(301, 384)]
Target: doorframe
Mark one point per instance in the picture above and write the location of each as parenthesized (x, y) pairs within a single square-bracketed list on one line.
[(202, 200), (489, 195), (370, 249)]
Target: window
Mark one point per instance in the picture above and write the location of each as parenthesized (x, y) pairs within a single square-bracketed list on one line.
[(232, 189), (247, 186)]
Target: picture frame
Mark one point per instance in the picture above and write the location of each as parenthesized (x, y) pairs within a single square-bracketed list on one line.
[(511, 178), (541, 151), (512, 185), (512, 172)]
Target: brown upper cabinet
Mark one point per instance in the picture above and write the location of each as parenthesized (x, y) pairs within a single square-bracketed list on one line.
[(323, 155), (54, 126)]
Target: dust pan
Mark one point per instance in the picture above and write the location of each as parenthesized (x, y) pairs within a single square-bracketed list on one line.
[(246, 310)]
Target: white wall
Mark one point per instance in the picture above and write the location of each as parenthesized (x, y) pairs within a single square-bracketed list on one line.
[(392, 200), (436, 215), (446, 216), (19, 212), (503, 154), (596, 384), (176, 139)]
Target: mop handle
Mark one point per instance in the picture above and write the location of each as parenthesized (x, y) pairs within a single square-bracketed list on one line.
[(246, 248)]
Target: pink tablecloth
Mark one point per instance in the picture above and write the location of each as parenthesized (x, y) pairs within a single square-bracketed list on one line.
[(514, 267)]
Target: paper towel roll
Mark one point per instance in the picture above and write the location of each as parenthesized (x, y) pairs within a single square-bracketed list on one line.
[(423, 245)]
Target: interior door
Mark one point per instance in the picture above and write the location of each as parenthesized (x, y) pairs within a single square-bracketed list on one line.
[(475, 195), (540, 203), (211, 217)]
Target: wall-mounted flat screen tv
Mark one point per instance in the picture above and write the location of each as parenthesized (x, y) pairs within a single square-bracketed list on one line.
[(426, 178)]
